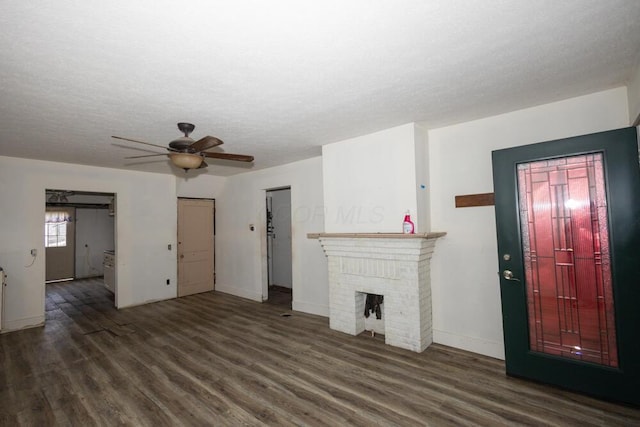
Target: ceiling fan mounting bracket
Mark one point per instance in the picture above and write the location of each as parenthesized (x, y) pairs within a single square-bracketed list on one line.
[(183, 143), (186, 128)]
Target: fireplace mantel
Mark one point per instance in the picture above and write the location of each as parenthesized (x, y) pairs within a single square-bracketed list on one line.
[(394, 265), (433, 235)]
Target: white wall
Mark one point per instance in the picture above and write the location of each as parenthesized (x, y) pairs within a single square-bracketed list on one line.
[(370, 182), (633, 93), (145, 225), (241, 253), (199, 186), (464, 280)]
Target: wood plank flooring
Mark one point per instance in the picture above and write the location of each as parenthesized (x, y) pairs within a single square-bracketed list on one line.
[(214, 359), (279, 295)]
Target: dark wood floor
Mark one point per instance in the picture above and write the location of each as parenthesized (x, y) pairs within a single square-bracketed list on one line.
[(279, 295), (214, 359)]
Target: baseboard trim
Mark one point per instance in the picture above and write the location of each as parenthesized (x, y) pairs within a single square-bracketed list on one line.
[(26, 323), (242, 293), (475, 345), (310, 308), (151, 301)]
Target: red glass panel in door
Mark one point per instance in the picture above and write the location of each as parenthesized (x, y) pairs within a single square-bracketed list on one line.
[(563, 214)]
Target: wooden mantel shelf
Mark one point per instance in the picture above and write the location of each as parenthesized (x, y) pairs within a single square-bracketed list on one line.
[(432, 235)]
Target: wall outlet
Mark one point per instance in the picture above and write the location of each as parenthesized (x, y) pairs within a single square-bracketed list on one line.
[(168, 281), (34, 252)]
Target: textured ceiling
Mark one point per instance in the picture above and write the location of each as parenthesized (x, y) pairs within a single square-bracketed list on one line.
[(279, 79)]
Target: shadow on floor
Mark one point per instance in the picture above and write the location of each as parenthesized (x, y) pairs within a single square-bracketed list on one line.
[(280, 296)]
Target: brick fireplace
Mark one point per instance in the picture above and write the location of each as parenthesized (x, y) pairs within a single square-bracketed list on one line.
[(389, 264)]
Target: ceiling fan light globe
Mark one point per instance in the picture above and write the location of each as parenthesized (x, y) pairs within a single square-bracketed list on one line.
[(186, 160)]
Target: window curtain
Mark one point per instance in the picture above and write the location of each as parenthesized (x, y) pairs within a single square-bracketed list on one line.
[(57, 217)]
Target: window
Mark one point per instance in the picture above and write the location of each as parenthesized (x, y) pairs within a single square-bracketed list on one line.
[(55, 229)]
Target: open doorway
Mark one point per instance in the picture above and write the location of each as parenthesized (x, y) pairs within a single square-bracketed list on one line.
[(79, 236), (279, 246)]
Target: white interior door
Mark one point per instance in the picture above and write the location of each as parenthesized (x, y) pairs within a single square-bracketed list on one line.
[(59, 243), (195, 246)]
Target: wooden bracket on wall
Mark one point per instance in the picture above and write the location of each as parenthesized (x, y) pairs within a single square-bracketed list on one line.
[(471, 200)]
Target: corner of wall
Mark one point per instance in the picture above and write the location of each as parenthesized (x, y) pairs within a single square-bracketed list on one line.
[(474, 345), (423, 186), (369, 182), (26, 323), (306, 307), (239, 292), (633, 96), (241, 253)]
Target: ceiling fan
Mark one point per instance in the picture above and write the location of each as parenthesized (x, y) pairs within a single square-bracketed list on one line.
[(186, 153), (58, 195)]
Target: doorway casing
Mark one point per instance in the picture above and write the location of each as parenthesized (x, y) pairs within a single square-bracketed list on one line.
[(113, 212), (271, 249)]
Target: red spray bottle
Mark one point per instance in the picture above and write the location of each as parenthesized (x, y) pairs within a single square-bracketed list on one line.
[(407, 225)]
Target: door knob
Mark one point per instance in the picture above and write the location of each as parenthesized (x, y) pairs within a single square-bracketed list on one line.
[(181, 256), (508, 274)]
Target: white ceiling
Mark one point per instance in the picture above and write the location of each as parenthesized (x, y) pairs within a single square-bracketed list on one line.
[(279, 79)]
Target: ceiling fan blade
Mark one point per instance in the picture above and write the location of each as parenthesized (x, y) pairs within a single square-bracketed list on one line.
[(229, 156), (203, 165), (205, 143), (146, 155), (140, 142)]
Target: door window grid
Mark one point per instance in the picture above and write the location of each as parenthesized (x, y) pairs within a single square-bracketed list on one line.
[(566, 255)]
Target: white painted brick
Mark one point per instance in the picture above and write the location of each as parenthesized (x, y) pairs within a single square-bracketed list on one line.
[(396, 268)]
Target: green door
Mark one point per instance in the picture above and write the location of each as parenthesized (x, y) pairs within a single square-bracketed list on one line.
[(568, 225)]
